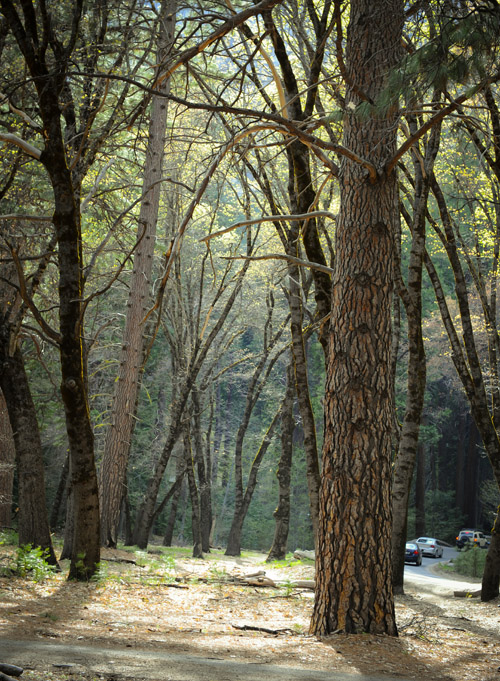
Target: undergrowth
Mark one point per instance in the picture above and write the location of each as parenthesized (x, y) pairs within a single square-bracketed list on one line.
[(469, 563)]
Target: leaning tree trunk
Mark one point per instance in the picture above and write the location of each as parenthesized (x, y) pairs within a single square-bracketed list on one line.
[(112, 476), (353, 563), (240, 513)]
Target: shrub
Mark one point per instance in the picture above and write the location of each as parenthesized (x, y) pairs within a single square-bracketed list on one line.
[(470, 563), (32, 562)]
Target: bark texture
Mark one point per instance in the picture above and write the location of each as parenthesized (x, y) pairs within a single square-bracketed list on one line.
[(353, 565)]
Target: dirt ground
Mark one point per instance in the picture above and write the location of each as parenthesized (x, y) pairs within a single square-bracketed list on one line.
[(195, 607)]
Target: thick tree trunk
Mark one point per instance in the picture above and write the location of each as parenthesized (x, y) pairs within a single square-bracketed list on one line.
[(353, 565), (7, 465), (284, 473), (113, 470)]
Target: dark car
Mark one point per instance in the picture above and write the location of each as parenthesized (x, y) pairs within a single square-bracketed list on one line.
[(413, 554)]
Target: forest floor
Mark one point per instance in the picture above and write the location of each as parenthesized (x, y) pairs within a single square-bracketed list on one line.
[(201, 608)]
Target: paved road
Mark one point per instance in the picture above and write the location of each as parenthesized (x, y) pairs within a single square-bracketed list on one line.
[(426, 578), (145, 664)]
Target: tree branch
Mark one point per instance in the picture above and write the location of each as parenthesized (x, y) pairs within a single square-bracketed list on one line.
[(28, 148), (271, 218), (282, 256)]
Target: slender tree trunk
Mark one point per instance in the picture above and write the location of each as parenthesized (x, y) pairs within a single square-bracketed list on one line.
[(119, 435), (284, 473), (193, 495), (303, 394), (234, 539), (417, 367), (353, 564), (203, 468), (471, 476), (460, 469), (61, 494), (146, 511), (169, 532), (420, 518)]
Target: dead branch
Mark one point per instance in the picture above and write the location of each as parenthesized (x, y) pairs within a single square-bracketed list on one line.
[(266, 630), (282, 256), (271, 218)]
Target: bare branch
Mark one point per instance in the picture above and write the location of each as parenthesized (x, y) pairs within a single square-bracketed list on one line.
[(25, 216), (233, 22), (271, 218), (28, 148), (46, 328), (282, 256)]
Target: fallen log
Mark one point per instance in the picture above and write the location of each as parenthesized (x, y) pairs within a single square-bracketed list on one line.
[(300, 584), (11, 669), (467, 594), (301, 555)]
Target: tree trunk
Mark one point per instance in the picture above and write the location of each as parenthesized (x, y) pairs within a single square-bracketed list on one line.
[(49, 82), (240, 513), (7, 465), (284, 473), (33, 524), (169, 532), (417, 368), (112, 477), (420, 521), (471, 476), (203, 467), (491, 576), (193, 495), (61, 493), (353, 565)]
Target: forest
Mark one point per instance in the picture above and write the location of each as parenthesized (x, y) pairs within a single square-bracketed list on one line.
[(248, 282)]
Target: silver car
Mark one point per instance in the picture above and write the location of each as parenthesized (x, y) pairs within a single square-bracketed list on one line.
[(430, 547)]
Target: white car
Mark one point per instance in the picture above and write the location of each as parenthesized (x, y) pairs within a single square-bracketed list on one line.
[(430, 547)]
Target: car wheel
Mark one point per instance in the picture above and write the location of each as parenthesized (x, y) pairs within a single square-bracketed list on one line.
[(419, 562)]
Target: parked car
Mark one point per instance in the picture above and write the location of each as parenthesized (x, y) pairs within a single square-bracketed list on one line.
[(413, 554), (430, 547), (468, 538)]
